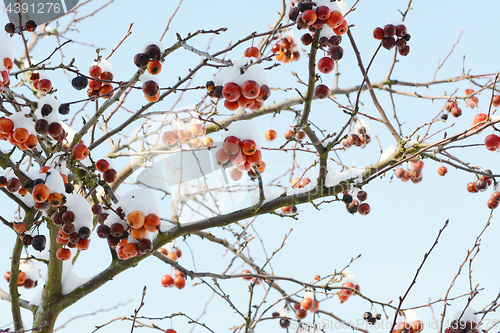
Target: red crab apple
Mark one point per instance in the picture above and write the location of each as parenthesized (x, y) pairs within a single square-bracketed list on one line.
[(250, 89), (325, 65), (231, 91)]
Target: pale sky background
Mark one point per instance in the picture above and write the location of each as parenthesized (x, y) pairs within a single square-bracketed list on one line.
[(405, 218)]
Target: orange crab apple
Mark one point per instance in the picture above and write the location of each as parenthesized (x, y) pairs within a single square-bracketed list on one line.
[(231, 106), (248, 147), (102, 165), (80, 151), (63, 254), (255, 158), (136, 219), (154, 67), (196, 129), (306, 303), (341, 29), (252, 51), (270, 135), (152, 222), (335, 19), (106, 91), (238, 158), (167, 281), (41, 193), (6, 125), (244, 102), (95, 71)]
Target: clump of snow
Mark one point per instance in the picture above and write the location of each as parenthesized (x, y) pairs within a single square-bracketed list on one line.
[(283, 311), (309, 294), (334, 177), (30, 269), (172, 246), (54, 181), (160, 45), (349, 277), (42, 75), (22, 119), (362, 126), (6, 49), (82, 210), (149, 77), (69, 279), (53, 117), (141, 199), (409, 144), (387, 152), (410, 316), (105, 66), (244, 130), (58, 162), (468, 315), (327, 141), (233, 73)]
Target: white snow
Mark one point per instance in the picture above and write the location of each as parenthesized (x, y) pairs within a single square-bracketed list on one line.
[(410, 316), (43, 75), (105, 66), (58, 162), (334, 177), (283, 311), (30, 269), (361, 123), (142, 199), (309, 294), (6, 49), (21, 121), (149, 77), (157, 43), (292, 191), (55, 182), (409, 144), (82, 210), (468, 315), (349, 277), (232, 73), (387, 152), (244, 130), (52, 101), (69, 280)]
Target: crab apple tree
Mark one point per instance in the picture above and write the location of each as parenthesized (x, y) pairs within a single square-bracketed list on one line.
[(280, 165)]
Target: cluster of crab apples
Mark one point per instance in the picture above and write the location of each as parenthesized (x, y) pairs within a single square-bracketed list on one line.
[(243, 154), (13, 185), (481, 185), (244, 84), (393, 35), (356, 205), (138, 225), (360, 139), (150, 58), (414, 173), (130, 225), (41, 82), (19, 131), (100, 85), (29, 26), (286, 50), (371, 318), (191, 134), (28, 274)]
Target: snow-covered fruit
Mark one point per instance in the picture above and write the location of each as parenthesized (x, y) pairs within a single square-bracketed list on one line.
[(244, 84), (131, 225), (349, 284), (28, 274), (286, 50), (414, 173), (19, 130), (360, 139), (189, 133), (101, 73), (452, 107), (320, 15), (41, 81)]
